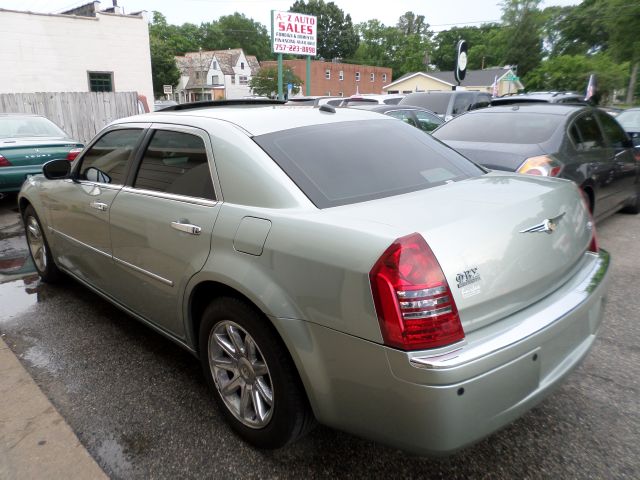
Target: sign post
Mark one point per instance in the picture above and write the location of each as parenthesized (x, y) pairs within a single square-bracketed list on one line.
[(294, 34), (168, 90)]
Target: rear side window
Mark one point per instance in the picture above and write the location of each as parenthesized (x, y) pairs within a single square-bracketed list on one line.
[(176, 163), (461, 103), (403, 115), (482, 101), (106, 161), (349, 162), (428, 122), (614, 132), (494, 127), (590, 136)]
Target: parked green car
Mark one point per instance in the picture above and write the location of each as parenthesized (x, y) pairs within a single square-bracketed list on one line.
[(27, 142)]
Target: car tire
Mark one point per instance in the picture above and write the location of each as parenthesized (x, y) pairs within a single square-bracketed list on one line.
[(39, 247), (633, 207), (252, 376)]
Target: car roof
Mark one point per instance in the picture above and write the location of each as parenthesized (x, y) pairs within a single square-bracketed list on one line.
[(546, 108), (387, 108), (16, 114), (542, 97), (260, 119)]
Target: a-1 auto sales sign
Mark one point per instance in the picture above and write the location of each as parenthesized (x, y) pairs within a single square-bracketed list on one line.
[(293, 33)]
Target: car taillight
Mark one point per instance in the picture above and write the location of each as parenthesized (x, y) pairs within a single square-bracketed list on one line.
[(4, 162), (542, 165), (593, 245), (412, 297), (73, 153)]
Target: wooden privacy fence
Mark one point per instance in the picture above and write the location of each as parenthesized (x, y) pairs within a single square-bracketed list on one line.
[(80, 114)]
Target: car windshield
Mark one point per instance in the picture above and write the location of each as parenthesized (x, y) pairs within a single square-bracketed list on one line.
[(629, 120), (26, 126), (494, 127), (349, 162)]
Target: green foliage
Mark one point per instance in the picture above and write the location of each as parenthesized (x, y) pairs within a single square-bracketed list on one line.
[(571, 72), (266, 81), (482, 42), (521, 34), (237, 31), (337, 37), (402, 47)]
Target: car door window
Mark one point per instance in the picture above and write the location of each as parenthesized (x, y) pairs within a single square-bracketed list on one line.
[(403, 115), (427, 122), (614, 132), (176, 163), (590, 135), (461, 104), (481, 102), (106, 161)]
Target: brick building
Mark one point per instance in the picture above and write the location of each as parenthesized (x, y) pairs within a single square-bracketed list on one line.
[(340, 79)]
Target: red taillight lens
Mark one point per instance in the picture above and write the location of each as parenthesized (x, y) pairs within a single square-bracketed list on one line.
[(4, 162), (73, 153), (412, 297)]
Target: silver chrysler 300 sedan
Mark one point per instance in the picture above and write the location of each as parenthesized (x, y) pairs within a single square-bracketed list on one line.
[(330, 265)]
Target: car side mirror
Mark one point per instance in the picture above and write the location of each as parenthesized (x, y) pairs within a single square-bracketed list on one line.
[(57, 169)]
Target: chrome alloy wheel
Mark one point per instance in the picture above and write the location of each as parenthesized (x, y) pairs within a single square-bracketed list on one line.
[(35, 239), (241, 374)]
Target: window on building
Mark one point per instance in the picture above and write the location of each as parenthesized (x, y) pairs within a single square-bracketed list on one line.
[(233, 79), (215, 79), (341, 75), (215, 65), (197, 75), (341, 94), (243, 80), (357, 76), (327, 74), (384, 77), (100, 81), (372, 77), (241, 65)]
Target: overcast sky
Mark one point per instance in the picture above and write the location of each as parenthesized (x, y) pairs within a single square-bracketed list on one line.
[(439, 13)]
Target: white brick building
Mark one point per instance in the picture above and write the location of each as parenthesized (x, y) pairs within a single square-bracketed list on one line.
[(80, 51)]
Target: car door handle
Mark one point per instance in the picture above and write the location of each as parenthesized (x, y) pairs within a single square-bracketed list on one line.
[(186, 227), (99, 206)]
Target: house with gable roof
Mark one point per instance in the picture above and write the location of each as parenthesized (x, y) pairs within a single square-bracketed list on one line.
[(215, 75), (504, 79)]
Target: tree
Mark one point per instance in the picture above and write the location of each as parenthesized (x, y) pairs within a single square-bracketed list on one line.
[(571, 72), (237, 31), (337, 37), (622, 20), (266, 81), (521, 34), (164, 70), (484, 47)]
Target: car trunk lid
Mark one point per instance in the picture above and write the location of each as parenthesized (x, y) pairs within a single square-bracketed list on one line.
[(36, 150), (497, 156), (503, 241)]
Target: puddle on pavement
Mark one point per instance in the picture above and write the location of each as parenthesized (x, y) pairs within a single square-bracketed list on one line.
[(18, 296), (111, 453)]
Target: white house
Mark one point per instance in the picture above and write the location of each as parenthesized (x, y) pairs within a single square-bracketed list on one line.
[(82, 50), (215, 74)]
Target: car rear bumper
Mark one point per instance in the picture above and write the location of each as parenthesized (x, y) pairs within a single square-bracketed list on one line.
[(12, 178), (434, 404)]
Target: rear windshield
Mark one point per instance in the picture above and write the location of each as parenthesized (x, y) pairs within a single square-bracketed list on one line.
[(18, 126), (436, 102), (349, 162), (508, 127)]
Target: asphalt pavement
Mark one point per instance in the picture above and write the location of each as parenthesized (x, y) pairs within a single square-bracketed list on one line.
[(140, 407)]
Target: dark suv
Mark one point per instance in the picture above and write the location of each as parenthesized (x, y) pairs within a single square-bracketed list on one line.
[(572, 98), (448, 104)]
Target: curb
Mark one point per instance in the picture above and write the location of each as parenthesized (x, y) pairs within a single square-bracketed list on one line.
[(35, 441)]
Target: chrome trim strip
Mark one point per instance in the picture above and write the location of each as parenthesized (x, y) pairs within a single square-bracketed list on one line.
[(427, 292), (106, 186), (82, 244), (144, 272), (426, 313), (431, 302), (171, 196), (529, 326)]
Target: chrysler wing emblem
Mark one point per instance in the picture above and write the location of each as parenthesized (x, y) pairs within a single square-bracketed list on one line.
[(547, 226)]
